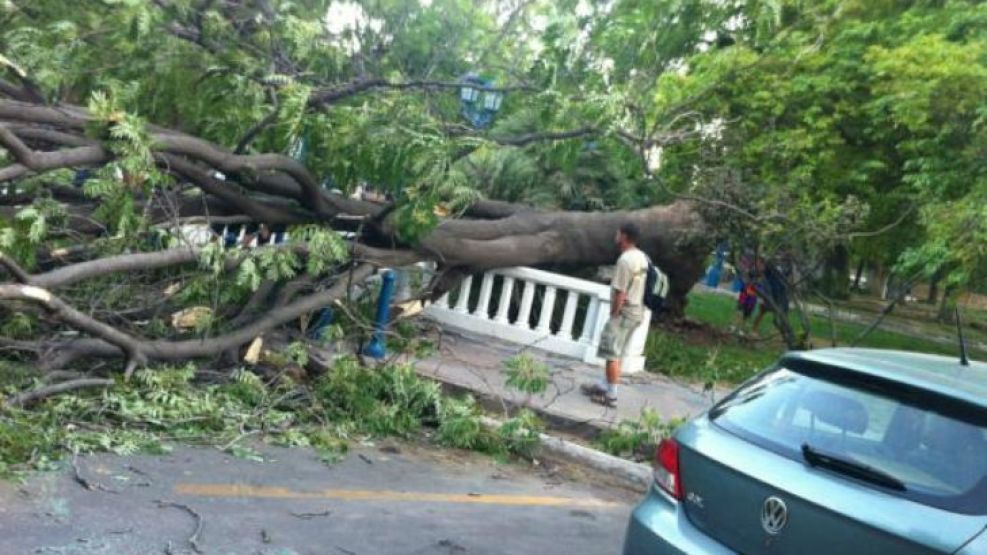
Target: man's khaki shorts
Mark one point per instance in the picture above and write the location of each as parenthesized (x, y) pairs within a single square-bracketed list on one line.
[(615, 337)]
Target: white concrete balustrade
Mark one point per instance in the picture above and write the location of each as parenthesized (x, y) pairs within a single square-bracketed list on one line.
[(569, 319), (199, 235)]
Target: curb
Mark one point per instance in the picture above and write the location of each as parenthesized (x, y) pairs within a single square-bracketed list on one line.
[(633, 475), (491, 402)]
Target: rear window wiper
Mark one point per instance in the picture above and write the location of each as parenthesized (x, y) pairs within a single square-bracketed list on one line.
[(851, 468)]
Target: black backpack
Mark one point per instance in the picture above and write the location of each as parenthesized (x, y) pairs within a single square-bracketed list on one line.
[(655, 288)]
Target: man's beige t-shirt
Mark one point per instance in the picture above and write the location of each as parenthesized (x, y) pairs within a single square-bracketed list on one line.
[(629, 276)]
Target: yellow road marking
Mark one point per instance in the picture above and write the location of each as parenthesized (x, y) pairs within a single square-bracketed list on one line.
[(274, 492)]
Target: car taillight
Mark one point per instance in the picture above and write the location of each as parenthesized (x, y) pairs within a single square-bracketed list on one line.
[(667, 468)]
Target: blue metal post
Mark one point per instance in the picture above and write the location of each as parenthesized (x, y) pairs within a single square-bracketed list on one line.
[(322, 322), (738, 284), (377, 347), (714, 271)]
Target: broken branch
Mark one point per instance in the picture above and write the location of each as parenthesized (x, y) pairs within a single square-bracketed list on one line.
[(193, 540), (33, 396)]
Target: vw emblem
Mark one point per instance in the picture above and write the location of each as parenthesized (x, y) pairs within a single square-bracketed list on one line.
[(774, 515)]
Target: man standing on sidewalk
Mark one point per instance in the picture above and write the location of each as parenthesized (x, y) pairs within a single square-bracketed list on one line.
[(626, 312)]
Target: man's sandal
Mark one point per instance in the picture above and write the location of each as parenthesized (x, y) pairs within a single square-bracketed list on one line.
[(608, 401), (592, 389)]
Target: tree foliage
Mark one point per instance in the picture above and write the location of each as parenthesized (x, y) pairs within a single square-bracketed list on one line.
[(878, 103)]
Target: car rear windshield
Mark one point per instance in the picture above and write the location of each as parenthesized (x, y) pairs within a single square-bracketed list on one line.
[(936, 447)]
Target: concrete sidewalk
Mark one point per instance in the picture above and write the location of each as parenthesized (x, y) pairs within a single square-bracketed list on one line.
[(477, 365)]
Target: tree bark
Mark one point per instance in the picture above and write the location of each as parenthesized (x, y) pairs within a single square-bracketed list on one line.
[(858, 274), (674, 236), (35, 395), (944, 313), (878, 280), (835, 273), (934, 288)]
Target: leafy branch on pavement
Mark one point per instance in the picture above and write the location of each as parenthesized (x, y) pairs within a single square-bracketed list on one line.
[(638, 439), (167, 404)]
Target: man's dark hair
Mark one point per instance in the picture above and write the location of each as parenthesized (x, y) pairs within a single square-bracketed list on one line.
[(631, 231)]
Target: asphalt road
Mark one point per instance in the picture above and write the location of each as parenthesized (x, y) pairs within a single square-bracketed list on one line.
[(393, 498)]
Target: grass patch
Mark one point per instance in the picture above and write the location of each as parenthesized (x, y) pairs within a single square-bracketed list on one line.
[(720, 310), (712, 357), (711, 361)]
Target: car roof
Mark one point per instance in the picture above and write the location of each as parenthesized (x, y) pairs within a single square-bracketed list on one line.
[(940, 374)]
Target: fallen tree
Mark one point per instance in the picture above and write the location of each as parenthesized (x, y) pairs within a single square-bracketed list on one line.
[(171, 178)]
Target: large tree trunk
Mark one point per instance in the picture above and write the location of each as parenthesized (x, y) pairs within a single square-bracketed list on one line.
[(858, 275), (934, 288), (673, 236), (945, 314), (835, 273)]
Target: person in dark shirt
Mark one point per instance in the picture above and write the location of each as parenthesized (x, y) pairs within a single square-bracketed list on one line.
[(772, 287)]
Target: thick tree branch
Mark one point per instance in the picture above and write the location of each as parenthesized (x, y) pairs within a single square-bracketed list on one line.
[(249, 164), (39, 162), (122, 263), (51, 136), (386, 257), (14, 269), (128, 345), (489, 209), (111, 343), (66, 117), (33, 396), (28, 91), (61, 193), (129, 263), (270, 173), (259, 211), (13, 91)]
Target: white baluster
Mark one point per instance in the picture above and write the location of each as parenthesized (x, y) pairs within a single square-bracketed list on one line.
[(547, 309), (602, 315), (239, 237), (486, 288), (403, 281), (639, 337), (463, 302), (506, 292), (443, 301), (589, 325), (527, 299), (569, 316)]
